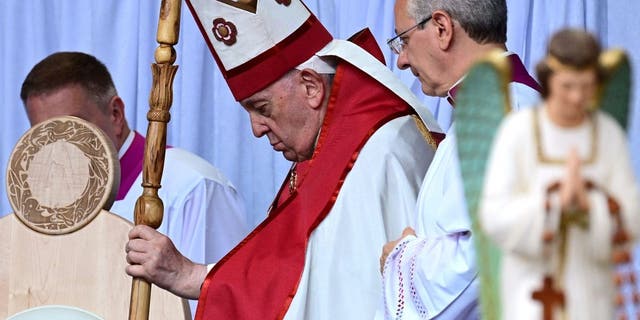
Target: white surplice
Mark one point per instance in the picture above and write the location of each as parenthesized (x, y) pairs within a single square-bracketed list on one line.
[(341, 277), (513, 212), (434, 274)]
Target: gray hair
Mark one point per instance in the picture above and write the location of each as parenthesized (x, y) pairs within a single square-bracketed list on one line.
[(485, 21)]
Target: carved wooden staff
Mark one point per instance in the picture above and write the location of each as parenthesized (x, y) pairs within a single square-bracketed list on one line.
[(149, 207)]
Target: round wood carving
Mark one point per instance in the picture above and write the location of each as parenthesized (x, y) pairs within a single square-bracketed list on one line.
[(61, 173)]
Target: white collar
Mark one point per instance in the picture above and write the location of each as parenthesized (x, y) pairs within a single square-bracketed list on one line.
[(126, 144)]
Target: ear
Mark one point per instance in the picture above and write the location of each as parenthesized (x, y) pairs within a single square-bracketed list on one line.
[(117, 117), (444, 28), (314, 86)]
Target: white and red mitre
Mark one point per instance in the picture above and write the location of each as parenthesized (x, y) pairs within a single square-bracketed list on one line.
[(255, 42)]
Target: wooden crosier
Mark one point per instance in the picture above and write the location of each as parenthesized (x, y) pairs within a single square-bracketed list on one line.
[(149, 208)]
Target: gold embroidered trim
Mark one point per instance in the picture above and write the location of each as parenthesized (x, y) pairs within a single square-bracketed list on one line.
[(425, 132), (542, 158)]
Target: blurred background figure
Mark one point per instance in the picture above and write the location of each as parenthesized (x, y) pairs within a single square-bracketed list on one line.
[(560, 197)]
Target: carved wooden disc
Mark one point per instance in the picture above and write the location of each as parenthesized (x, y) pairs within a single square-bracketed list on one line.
[(61, 173)]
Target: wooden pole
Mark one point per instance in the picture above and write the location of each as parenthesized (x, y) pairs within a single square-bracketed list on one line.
[(149, 208)]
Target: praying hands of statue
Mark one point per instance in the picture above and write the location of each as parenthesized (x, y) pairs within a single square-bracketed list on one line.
[(573, 190), (388, 247)]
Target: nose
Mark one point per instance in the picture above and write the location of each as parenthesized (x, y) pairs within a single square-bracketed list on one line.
[(403, 62), (580, 96), (257, 125)]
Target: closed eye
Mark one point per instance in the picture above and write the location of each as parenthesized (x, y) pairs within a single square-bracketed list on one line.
[(262, 109)]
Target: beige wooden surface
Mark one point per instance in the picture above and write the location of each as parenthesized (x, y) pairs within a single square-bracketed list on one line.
[(61, 173), (60, 247), (84, 269)]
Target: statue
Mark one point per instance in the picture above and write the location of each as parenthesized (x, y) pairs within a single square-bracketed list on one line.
[(558, 205)]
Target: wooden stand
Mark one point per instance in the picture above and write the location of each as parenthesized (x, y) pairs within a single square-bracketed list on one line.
[(60, 247)]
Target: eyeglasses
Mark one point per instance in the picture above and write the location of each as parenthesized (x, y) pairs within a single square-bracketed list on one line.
[(397, 43)]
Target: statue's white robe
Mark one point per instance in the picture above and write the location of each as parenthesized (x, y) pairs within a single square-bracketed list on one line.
[(513, 212)]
